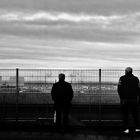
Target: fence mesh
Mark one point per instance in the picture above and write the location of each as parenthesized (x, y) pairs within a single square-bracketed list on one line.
[(19, 87), (34, 85)]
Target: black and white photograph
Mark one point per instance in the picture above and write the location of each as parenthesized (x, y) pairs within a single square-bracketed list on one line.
[(69, 69)]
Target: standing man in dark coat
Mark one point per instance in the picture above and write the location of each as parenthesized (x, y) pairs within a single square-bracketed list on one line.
[(62, 94), (128, 90)]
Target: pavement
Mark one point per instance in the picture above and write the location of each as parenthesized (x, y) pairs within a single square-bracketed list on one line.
[(75, 135), (32, 131)]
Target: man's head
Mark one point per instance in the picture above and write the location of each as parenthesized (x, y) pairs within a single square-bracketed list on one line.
[(61, 77), (128, 70)]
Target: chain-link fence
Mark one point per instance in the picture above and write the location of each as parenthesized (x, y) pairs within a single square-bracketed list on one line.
[(26, 90)]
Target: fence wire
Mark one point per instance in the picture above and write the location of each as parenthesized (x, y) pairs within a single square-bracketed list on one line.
[(19, 87)]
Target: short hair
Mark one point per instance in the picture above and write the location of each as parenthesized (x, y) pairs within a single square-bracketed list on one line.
[(128, 70), (61, 76)]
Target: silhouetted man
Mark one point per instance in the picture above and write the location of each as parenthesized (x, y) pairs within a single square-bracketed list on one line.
[(128, 89), (62, 94)]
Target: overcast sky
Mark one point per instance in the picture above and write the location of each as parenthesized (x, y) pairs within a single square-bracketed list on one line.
[(69, 33)]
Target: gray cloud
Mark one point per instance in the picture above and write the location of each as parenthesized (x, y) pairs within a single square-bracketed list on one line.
[(114, 28), (63, 33), (114, 21), (88, 6), (24, 49), (33, 52)]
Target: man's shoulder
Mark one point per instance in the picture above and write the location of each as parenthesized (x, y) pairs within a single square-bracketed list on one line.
[(55, 84), (58, 83), (67, 83), (123, 77), (135, 77)]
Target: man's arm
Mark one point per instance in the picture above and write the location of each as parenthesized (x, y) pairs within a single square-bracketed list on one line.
[(53, 92), (70, 92), (119, 89), (138, 92)]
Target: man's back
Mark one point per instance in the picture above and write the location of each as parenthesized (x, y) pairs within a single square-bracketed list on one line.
[(62, 92), (128, 87)]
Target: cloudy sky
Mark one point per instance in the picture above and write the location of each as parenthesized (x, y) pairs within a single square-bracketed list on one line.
[(69, 33)]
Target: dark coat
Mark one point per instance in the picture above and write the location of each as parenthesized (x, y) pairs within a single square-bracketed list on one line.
[(62, 94), (128, 87)]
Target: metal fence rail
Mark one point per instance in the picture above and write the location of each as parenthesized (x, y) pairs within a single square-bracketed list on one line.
[(24, 88)]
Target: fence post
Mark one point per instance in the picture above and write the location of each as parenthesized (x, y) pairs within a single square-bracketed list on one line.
[(17, 92), (100, 91)]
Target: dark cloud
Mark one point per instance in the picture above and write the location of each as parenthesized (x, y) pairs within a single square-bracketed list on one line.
[(94, 35), (95, 6), (114, 28), (87, 6), (68, 33)]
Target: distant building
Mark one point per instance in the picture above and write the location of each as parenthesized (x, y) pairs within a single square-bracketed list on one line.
[(12, 81)]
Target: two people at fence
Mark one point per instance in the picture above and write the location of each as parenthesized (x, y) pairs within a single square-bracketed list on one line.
[(62, 94), (128, 90), (129, 93)]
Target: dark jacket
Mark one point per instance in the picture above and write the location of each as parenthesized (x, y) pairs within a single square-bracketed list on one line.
[(62, 93), (128, 87)]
